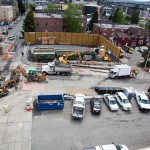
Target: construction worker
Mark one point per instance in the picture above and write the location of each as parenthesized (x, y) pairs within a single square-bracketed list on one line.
[(6, 108), (136, 71), (22, 53)]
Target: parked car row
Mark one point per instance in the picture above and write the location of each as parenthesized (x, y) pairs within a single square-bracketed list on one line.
[(113, 102)]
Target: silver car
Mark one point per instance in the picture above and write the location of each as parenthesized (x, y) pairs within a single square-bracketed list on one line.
[(111, 102)]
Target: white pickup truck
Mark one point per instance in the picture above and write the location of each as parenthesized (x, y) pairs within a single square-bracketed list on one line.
[(78, 107), (142, 101)]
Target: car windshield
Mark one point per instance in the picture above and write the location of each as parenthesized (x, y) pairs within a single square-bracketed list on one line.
[(97, 106), (125, 101), (145, 101), (112, 102)]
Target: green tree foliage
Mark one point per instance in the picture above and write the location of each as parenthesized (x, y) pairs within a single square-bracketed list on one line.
[(21, 7), (93, 20), (118, 17), (146, 56), (73, 19), (51, 8), (135, 17), (28, 24), (32, 6), (147, 25), (128, 18)]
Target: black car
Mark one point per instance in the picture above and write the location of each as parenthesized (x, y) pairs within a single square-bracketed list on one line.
[(95, 106), (9, 27)]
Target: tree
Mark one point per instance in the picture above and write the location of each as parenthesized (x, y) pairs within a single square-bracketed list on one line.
[(147, 25), (32, 6), (21, 7), (28, 24), (135, 17), (128, 18), (118, 17), (73, 19), (93, 20), (146, 56), (51, 8)]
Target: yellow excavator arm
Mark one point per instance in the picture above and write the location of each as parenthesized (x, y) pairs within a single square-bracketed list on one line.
[(64, 59), (6, 83), (22, 71)]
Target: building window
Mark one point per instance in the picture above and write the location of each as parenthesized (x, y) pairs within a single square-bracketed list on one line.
[(46, 24), (37, 23)]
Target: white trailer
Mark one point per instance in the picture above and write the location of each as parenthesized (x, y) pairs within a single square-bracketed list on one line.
[(120, 71), (78, 107)]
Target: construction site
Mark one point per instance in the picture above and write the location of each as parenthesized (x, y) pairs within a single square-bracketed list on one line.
[(39, 83)]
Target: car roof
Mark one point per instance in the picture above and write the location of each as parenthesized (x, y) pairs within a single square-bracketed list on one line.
[(121, 94), (96, 101), (143, 96), (110, 97), (78, 98)]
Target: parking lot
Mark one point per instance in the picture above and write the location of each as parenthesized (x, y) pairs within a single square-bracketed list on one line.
[(57, 130)]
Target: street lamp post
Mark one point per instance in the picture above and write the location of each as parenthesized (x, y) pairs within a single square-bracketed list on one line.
[(5, 16)]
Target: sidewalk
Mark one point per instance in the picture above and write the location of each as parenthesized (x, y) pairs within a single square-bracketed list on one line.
[(16, 125)]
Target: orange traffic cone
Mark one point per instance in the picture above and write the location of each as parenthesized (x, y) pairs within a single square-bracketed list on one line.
[(28, 108)]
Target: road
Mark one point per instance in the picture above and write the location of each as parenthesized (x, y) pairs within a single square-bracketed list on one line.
[(16, 28)]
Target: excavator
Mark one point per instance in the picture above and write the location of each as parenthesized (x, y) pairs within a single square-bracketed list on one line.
[(64, 58), (8, 83), (31, 75)]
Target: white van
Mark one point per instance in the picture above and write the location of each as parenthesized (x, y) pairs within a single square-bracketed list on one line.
[(142, 49), (123, 101)]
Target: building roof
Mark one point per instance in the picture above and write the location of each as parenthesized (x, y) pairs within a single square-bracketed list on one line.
[(102, 25), (122, 35), (134, 32), (45, 15), (5, 6)]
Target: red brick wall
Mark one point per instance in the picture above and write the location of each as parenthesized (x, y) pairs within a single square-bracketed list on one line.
[(132, 41), (53, 24)]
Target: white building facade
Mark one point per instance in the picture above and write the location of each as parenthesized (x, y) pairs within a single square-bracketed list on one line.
[(6, 13)]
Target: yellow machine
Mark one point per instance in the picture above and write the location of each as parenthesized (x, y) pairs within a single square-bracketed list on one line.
[(64, 59), (8, 83)]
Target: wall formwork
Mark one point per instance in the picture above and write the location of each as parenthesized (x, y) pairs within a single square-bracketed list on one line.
[(83, 39)]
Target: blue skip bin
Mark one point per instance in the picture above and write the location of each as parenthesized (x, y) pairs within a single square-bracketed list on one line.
[(48, 102)]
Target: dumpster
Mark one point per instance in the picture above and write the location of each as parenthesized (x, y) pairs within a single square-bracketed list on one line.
[(48, 102)]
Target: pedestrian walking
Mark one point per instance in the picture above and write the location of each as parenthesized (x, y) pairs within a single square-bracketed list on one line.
[(6, 108), (22, 54)]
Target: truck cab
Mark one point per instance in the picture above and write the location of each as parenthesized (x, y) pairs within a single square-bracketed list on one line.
[(112, 73), (49, 68), (78, 107)]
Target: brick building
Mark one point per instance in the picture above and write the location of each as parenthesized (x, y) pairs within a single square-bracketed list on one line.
[(122, 34), (132, 37), (51, 23)]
